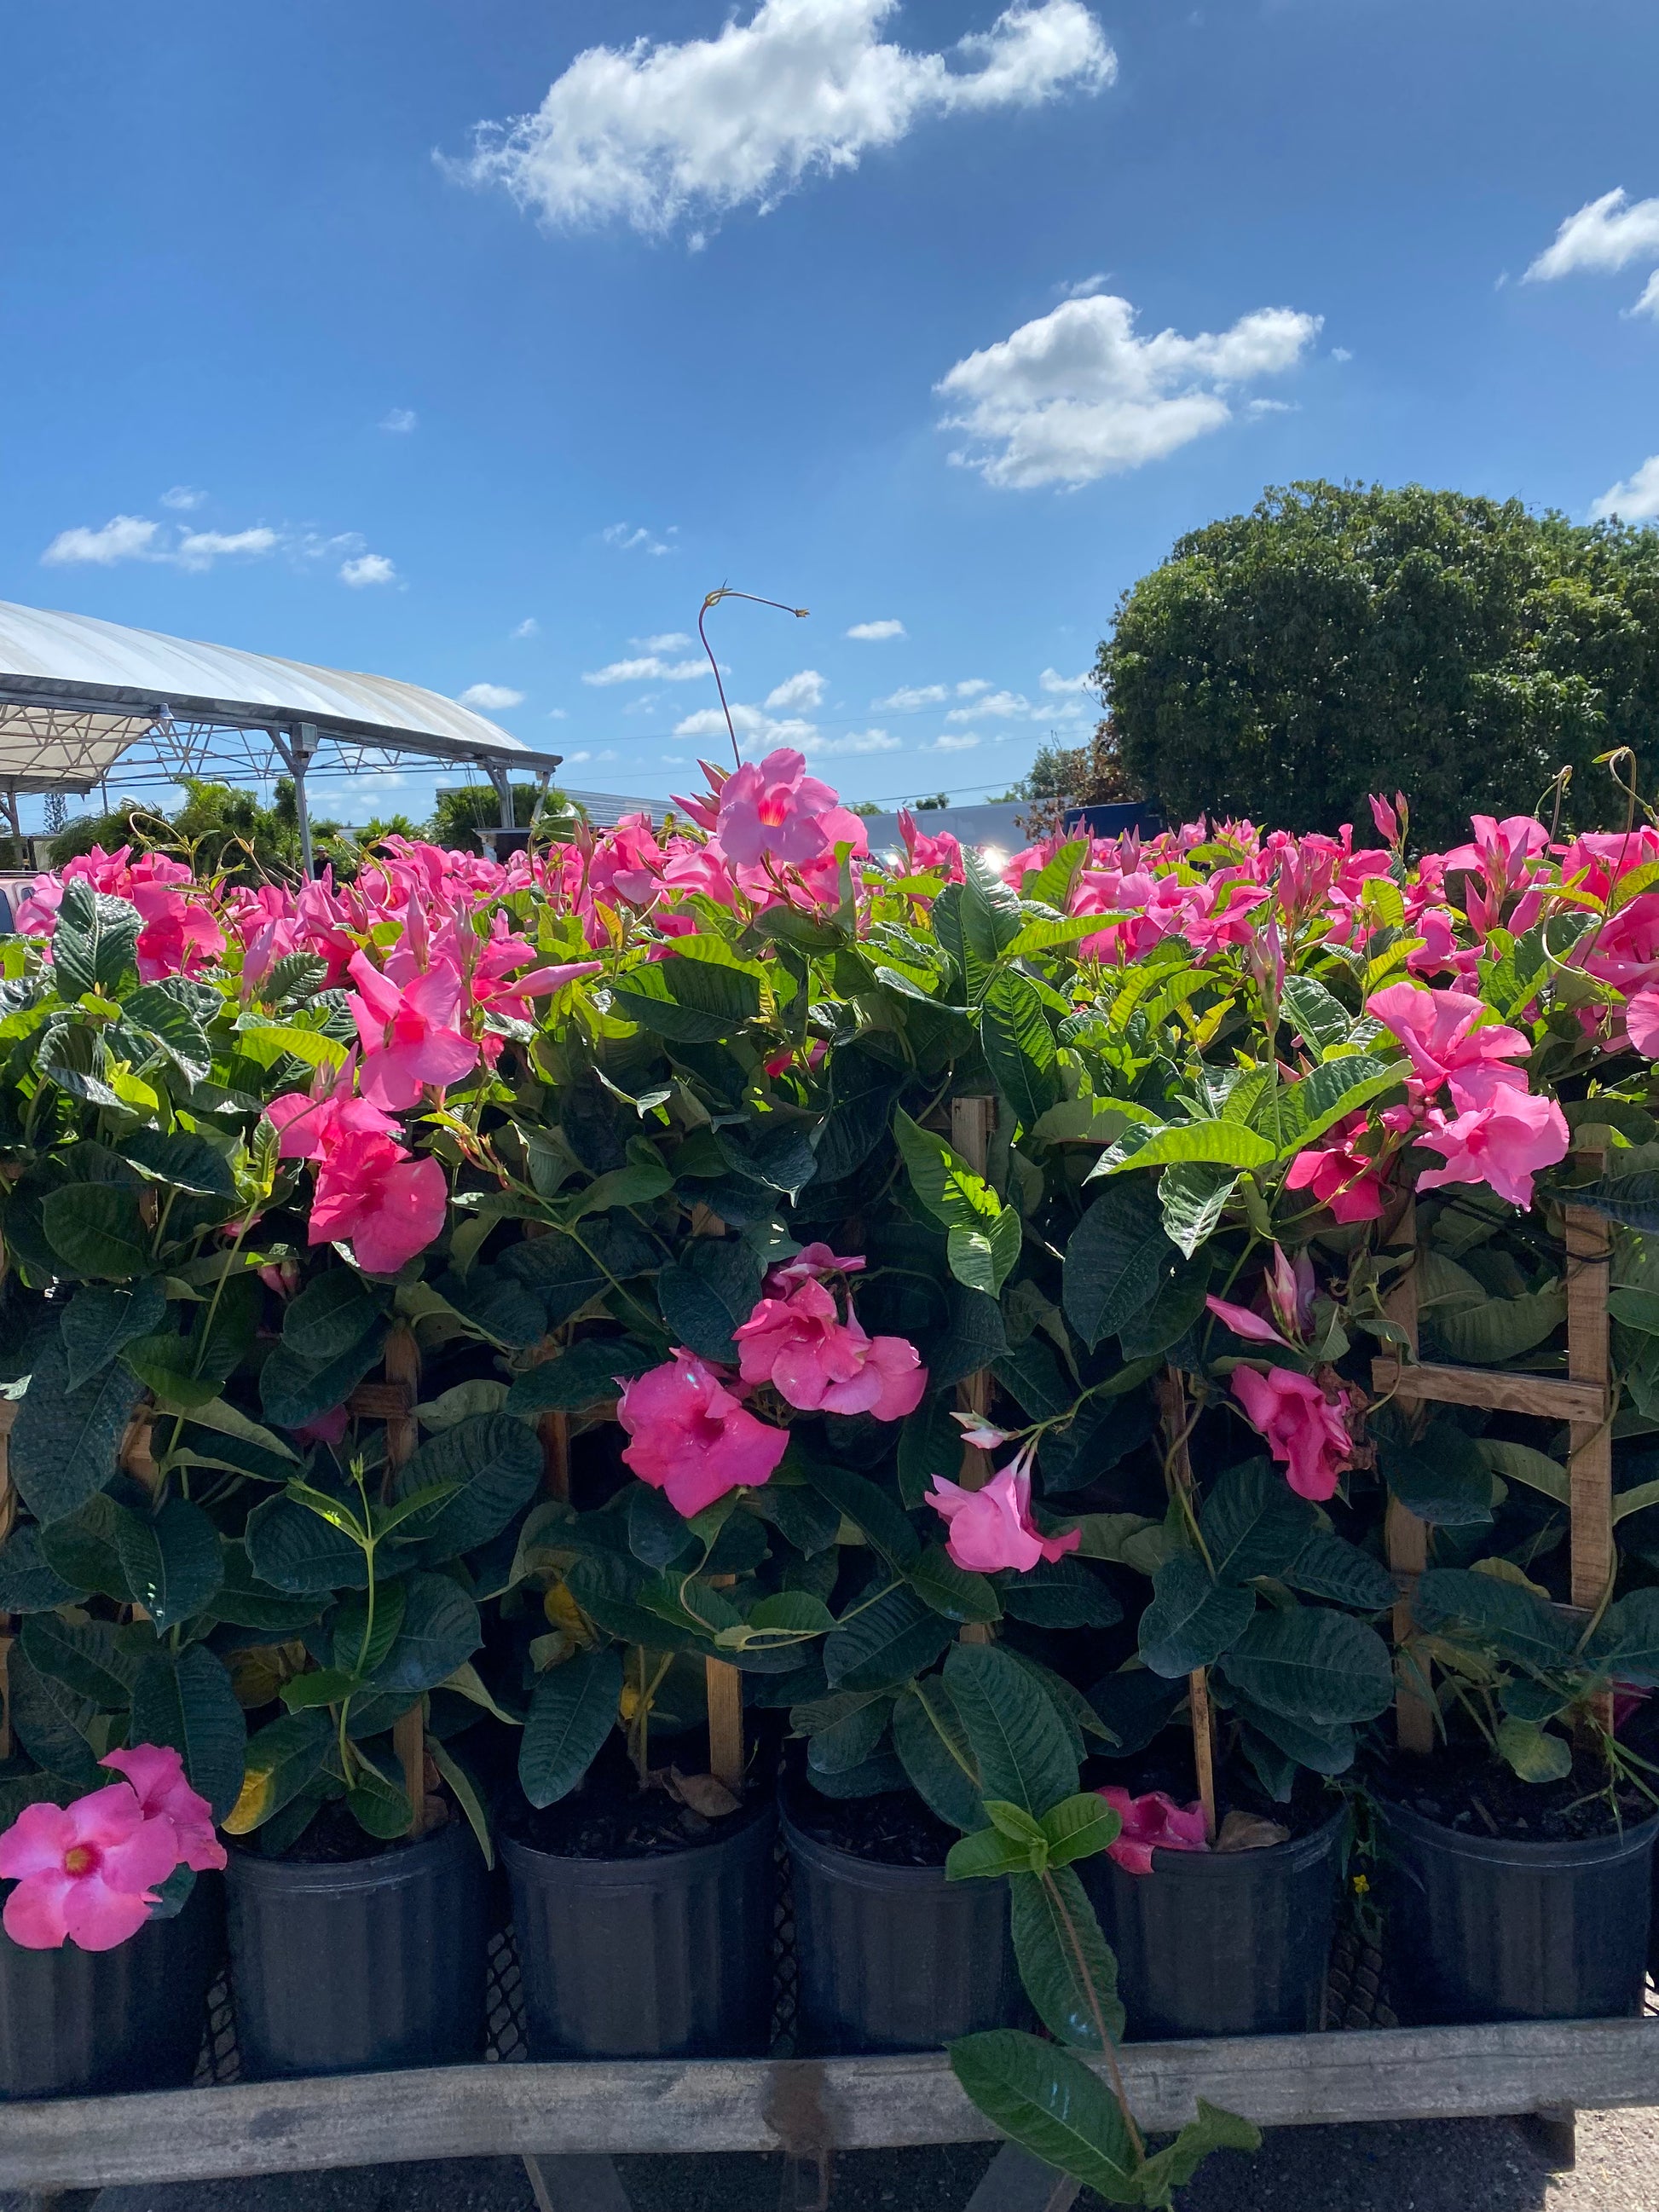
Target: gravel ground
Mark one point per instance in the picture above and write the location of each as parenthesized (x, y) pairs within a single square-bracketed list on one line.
[(1445, 2166)]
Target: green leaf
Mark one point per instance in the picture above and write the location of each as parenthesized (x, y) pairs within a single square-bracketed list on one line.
[(1020, 1746), (1439, 1478), (64, 1443), (1174, 2166), (795, 1611), (171, 1560), (1313, 1665), (50, 1721), (1061, 1593), (283, 1758), (1626, 1644), (1499, 1329), (572, 1710), (97, 1322), (1117, 1256), (1632, 1200), (870, 1509), (585, 1375), (988, 1854), (1178, 1305), (28, 1582), (1328, 1567), (1253, 1522), (886, 1644), (292, 1391), (1191, 1620), (158, 1017), (1211, 1143), (185, 1698), (335, 1310), (82, 1655), (1301, 1112), (837, 1746), (467, 1794), (82, 1548), (95, 1229), (983, 1234), (265, 1043), (92, 943), (440, 1630), (1050, 2103), (1080, 1826), (495, 1466), (1019, 1046), (1070, 1975), (689, 1001), (186, 1163), (953, 1591), (709, 1292), (1457, 1601), (379, 1807), (294, 1549), (933, 1745), (1192, 1200), (1320, 1020), (1533, 1753), (985, 1262), (1523, 1464)]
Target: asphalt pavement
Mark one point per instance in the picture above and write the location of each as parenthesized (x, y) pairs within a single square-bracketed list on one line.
[(1442, 2166)]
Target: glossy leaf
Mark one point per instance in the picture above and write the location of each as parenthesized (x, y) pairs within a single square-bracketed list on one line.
[(572, 1710), (1192, 1619), (1048, 2102), (1021, 1748)]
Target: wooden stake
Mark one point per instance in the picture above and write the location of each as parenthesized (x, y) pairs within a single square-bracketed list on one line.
[(1594, 1555), (723, 1683), (972, 1120), (1405, 1537), (403, 1373), (1172, 1400)]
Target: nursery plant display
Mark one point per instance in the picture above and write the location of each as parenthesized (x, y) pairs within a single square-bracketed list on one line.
[(529, 1350)]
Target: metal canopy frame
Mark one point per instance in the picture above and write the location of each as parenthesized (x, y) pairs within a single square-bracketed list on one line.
[(61, 735)]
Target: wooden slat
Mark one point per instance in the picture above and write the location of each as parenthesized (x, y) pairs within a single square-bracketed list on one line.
[(1590, 1469), (867, 2104), (1545, 1395), (380, 1401)]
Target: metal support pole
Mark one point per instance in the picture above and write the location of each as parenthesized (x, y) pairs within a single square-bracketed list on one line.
[(502, 777), (297, 747)]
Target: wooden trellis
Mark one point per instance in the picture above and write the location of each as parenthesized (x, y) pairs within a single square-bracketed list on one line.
[(1583, 1399)]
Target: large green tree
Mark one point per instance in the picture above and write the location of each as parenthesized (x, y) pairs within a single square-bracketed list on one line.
[(1343, 639)]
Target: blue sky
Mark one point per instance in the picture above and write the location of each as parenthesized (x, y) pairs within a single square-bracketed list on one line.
[(807, 297)]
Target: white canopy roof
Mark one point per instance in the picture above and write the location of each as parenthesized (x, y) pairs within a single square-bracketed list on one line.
[(76, 693)]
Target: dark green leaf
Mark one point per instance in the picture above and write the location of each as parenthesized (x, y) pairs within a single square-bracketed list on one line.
[(869, 1509), (28, 1582), (97, 1322), (1021, 1746), (691, 1001), (82, 1548), (886, 1644), (933, 1744), (50, 1720), (1327, 1567), (185, 1698), (96, 1229), (92, 943), (64, 1443), (1254, 1523), (952, 1591), (1314, 1666), (587, 1374), (572, 1710), (82, 1655), (1440, 1477), (1626, 1644), (281, 1761), (171, 1560), (1457, 1601), (294, 1549), (186, 1163), (706, 1293), (440, 1630), (292, 1391), (1050, 2103), (1191, 1620), (1070, 1975), (334, 1311), (844, 1744), (379, 1807), (1060, 1594), (159, 1020), (1117, 1257), (496, 1463)]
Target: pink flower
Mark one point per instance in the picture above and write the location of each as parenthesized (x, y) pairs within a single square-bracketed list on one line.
[(410, 1036), (808, 1264), (1304, 1429), (1642, 1023), (87, 1871), (692, 1439), (942, 853), (156, 1773), (1243, 1322), (179, 936), (773, 807), (1151, 1823), (373, 1196), (993, 1528), (1344, 1180), (1389, 819), (1502, 1143), (819, 1363), (1447, 1039)]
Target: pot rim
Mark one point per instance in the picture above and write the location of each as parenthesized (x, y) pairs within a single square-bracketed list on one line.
[(1563, 1851), (650, 1869), (873, 1874), (409, 1859), (1218, 1866)]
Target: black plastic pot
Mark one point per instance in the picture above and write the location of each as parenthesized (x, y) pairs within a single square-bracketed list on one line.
[(668, 1957), (84, 2023), (1223, 1942), (1482, 1928), (370, 1963), (895, 1958)]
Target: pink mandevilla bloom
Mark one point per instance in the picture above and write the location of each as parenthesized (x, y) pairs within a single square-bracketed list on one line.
[(773, 807), (1342, 1180), (992, 1527), (692, 1439), (809, 1263), (1502, 1144), (156, 1773), (409, 1034), (800, 1346), (1305, 1431), (1243, 1322), (87, 1871), (1151, 1823)]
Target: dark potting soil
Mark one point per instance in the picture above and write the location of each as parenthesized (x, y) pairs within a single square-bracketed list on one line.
[(610, 1817), (894, 1829), (334, 1838), (1468, 1790), (1170, 1768)]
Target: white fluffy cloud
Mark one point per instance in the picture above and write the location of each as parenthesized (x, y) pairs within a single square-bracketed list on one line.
[(805, 690), (123, 537), (666, 641), (489, 698), (653, 135), (183, 497), (957, 742), (759, 733), (910, 696), (200, 548), (1076, 395), (1005, 705), (627, 538), (1604, 235), (367, 568), (1052, 680), (647, 668), (576, 760), (876, 632), (1648, 302), (1636, 499), (400, 421), (528, 627)]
